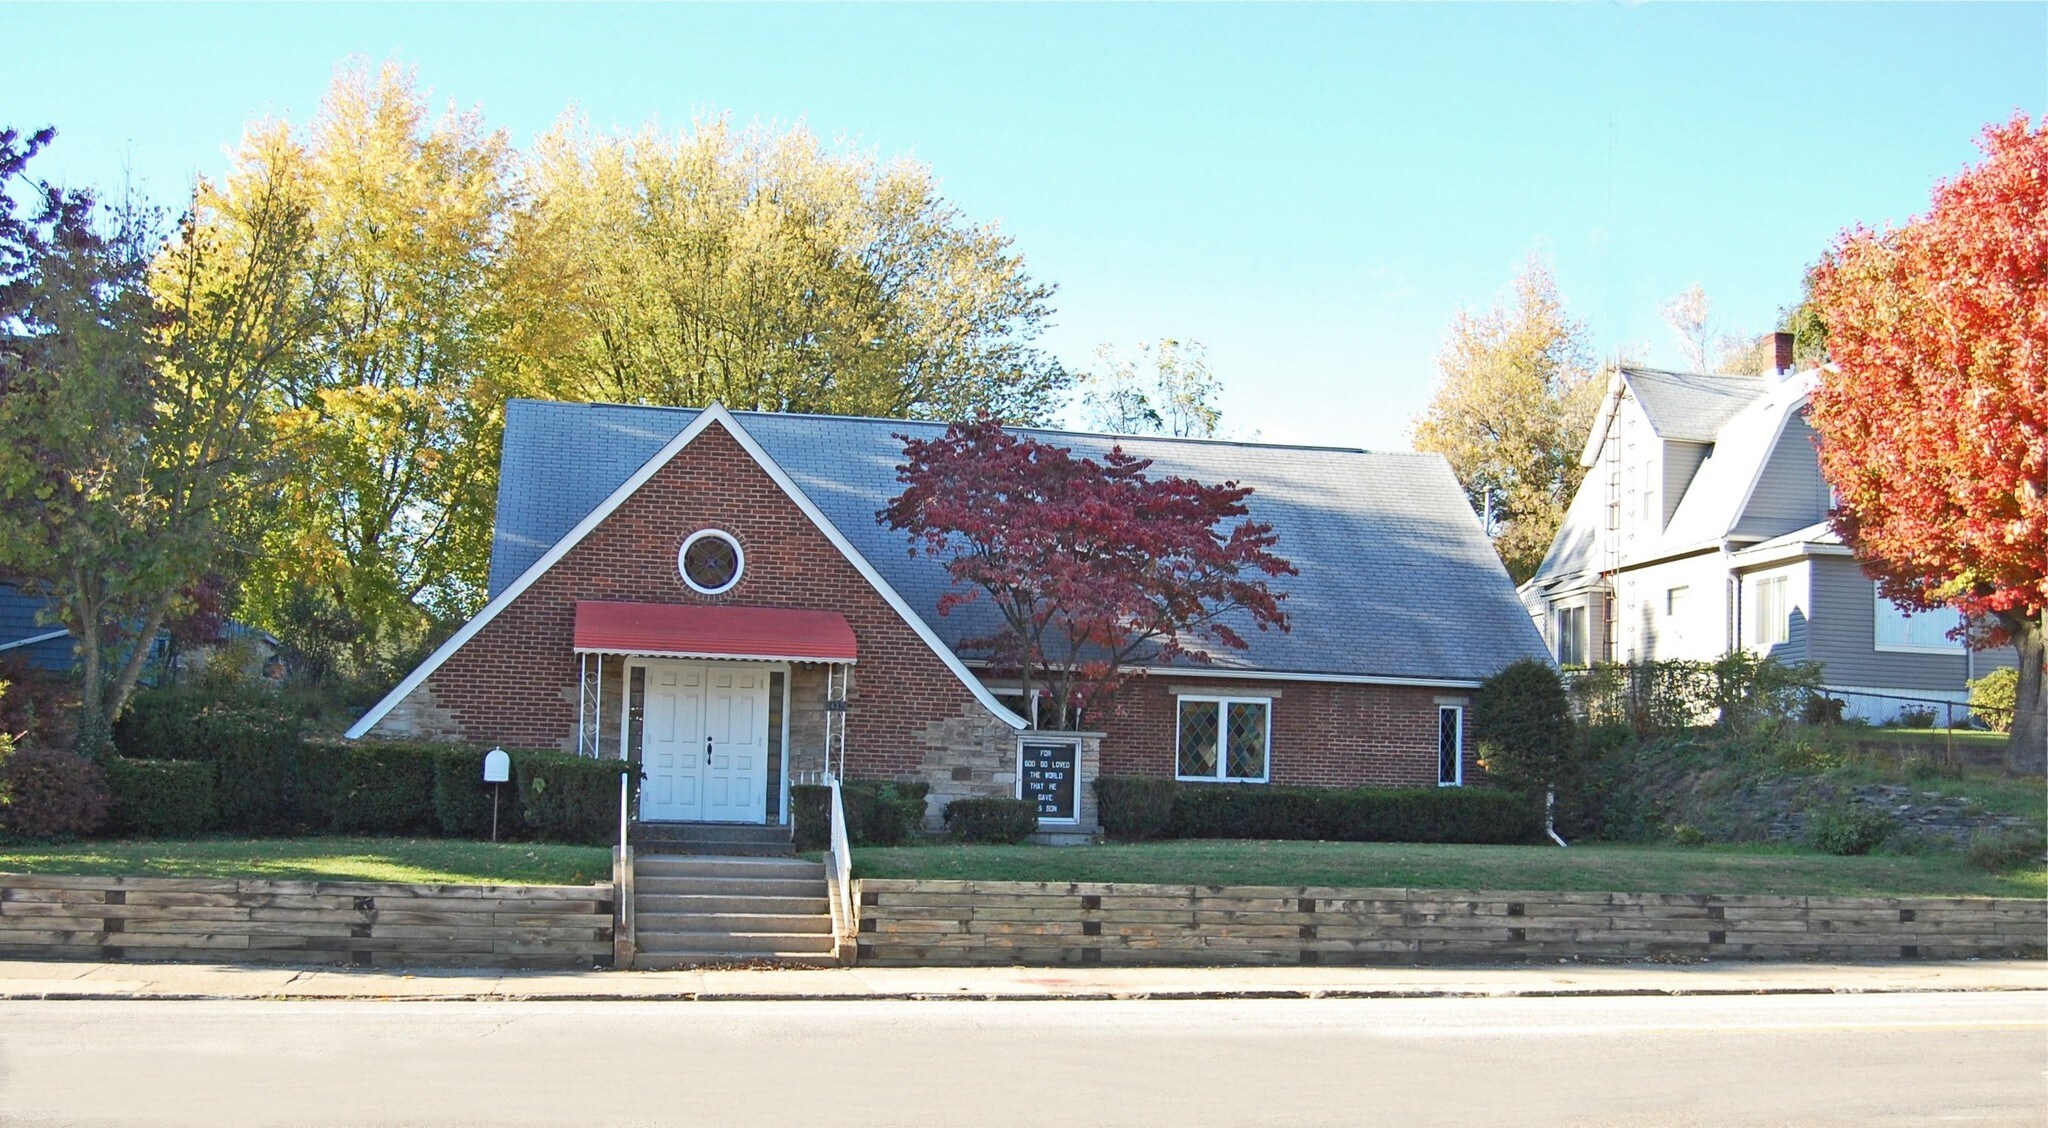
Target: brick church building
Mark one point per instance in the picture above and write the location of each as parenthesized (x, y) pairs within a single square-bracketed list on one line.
[(711, 593)]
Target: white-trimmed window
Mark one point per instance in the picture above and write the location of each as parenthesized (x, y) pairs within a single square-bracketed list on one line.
[(1773, 611), (1921, 632), (1450, 746), (711, 561), (1571, 636), (1223, 739)]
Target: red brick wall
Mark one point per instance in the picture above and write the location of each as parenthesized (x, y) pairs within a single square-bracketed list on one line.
[(513, 683), (1324, 734)]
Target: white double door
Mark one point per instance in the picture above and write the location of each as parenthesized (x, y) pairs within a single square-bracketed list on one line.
[(704, 742)]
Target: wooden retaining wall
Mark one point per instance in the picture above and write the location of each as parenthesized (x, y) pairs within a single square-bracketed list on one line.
[(343, 922), (1001, 923)]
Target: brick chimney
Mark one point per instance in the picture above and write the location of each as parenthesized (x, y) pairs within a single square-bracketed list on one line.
[(1781, 352)]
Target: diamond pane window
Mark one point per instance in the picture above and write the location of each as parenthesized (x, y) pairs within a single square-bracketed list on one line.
[(1450, 746), (1198, 726), (1247, 740), (1224, 738)]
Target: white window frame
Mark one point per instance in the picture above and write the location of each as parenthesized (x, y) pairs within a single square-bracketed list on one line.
[(1459, 775), (739, 568), (1577, 636), (1773, 630), (1881, 607), (1223, 704)]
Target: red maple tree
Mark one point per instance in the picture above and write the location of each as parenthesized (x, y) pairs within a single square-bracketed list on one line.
[(1092, 566), (1933, 415)]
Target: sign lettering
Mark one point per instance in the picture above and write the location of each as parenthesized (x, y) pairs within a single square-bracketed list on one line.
[(1049, 768)]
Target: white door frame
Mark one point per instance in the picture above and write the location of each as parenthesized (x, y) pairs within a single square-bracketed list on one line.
[(642, 662)]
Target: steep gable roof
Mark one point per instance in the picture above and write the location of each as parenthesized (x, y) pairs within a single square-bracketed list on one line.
[(1721, 489), (1691, 406), (1397, 581), (635, 477)]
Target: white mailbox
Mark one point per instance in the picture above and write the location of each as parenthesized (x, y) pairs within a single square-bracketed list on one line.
[(497, 766)]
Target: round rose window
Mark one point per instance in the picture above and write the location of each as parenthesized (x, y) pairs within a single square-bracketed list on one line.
[(710, 561)]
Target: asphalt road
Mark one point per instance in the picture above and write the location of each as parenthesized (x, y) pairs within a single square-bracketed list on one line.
[(1863, 1060)]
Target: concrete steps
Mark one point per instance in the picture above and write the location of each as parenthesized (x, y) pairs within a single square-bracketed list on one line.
[(726, 840), (699, 909)]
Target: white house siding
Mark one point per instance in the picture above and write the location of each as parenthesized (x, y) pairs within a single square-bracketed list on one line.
[(1798, 612), (1700, 630), (1790, 493)]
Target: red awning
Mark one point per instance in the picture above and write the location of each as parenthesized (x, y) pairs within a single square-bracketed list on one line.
[(679, 631)]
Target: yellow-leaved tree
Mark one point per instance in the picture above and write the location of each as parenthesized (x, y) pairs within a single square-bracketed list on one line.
[(765, 271), (391, 418), (1512, 409)]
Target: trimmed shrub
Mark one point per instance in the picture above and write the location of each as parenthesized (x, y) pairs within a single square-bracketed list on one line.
[(1429, 814), (1522, 722), (1995, 696), (159, 798), (51, 794), (317, 784), (462, 800), (251, 742), (1134, 808), (564, 797), (385, 789), (992, 821), (812, 825), (1849, 830), (883, 812), (1222, 810), (878, 812)]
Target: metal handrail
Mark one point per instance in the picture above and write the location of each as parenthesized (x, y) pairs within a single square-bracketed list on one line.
[(839, 865)]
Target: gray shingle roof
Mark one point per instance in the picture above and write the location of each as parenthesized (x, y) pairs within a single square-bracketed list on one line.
[(1396, 580), (1691, 406)]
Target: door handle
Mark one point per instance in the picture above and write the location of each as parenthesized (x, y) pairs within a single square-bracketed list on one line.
[(707, 749)]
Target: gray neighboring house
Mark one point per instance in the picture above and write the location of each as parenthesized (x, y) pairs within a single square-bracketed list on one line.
[(1701, 527)]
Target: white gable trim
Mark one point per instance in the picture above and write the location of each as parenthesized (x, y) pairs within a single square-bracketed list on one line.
[(715, 413)]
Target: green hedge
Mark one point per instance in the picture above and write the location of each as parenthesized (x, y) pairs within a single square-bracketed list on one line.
[(386, 789), (1131, 809), (568, 798), (422, 788), (992, 821), (159, 798), (250, 742), (878, 812)]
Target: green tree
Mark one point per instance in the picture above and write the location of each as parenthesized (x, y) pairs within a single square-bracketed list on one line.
[(393, 414), (1522, 723), (132, 445), (761, 270), (1512, 411)]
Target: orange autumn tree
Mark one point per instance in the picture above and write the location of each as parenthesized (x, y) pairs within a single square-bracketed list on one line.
[(1933, 416)]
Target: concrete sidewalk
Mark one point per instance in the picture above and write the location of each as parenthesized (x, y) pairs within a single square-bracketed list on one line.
[(24, 979)]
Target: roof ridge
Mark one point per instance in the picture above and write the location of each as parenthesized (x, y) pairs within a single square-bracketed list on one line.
[(666, 408)]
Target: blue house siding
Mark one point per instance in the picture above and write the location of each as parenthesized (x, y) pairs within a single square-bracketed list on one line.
[(21, 618)]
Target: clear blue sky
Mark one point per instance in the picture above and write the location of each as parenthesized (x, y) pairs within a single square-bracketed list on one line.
[(1312, 191)]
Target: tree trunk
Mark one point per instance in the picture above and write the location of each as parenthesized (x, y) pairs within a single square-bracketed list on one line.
[(95, 728), (2028, 751)]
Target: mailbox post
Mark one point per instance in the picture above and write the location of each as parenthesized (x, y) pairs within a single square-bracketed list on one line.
[(497, 769)]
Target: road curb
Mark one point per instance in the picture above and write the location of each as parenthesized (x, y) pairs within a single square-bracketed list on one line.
[(1153, 995)]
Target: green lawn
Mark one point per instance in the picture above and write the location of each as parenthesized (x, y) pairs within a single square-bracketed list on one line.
[(420, 861), (1933, 741), (1589, 868)]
